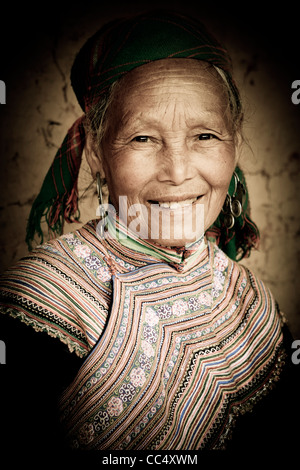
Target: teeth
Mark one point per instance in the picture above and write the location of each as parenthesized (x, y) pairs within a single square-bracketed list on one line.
[(176, 205)]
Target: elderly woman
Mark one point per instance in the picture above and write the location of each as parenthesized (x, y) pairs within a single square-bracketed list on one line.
[(142, 324)]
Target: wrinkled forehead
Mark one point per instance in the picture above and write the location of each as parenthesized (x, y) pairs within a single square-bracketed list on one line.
[(169, 81), (167, 72)]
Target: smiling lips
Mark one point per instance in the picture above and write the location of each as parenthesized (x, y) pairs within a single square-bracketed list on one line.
[(173, 205)]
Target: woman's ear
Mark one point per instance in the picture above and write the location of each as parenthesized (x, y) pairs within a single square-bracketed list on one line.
[(93, 156)]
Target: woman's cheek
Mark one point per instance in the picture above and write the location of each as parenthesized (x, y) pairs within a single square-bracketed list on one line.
[(220, 175), (127, 182), (134, 173)]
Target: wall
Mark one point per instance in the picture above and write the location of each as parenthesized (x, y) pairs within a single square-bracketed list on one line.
[(40, 107)]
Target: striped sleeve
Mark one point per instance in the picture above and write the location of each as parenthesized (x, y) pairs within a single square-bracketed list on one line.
[(50, 292)]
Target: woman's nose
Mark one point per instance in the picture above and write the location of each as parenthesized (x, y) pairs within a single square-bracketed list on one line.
[(175, 167)]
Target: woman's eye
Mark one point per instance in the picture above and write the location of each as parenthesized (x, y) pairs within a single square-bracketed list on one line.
[(141, 138), (206, 136)]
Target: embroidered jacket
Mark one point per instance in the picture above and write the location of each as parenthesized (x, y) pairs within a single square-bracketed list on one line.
[(176, 343)]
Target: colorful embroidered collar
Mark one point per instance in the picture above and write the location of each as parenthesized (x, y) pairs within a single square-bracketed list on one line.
[(179, 257)]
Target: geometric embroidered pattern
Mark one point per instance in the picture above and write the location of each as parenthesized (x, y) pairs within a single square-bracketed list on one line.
[(175, 351)]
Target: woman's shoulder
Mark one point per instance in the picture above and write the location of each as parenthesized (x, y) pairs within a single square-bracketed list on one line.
[(63, 288), (220, 258), (79, 247), (79, 254), (239, 278)]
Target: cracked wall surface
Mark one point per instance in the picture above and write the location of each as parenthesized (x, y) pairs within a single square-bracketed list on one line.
[(41, 107)]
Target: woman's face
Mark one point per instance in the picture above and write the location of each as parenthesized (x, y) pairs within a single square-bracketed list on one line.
[(168, 151)]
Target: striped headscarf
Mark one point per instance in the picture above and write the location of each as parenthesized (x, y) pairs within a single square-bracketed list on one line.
[(114, 50)]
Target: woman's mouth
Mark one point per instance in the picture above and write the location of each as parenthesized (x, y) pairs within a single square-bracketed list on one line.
[(173, 205)]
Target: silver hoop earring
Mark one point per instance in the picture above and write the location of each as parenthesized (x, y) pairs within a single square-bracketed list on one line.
[(227, 210), (102, 212), (238, 197), (233, 205)]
